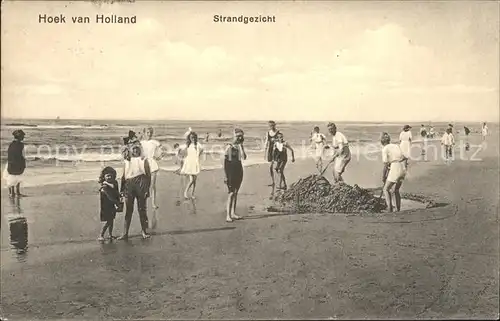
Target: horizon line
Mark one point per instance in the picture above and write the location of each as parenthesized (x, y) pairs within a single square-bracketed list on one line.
[(2, 119)]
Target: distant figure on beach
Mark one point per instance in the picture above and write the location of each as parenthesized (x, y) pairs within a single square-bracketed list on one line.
[(405, 139), (423, 134), (16, 164), (484, 131), (136, 182), (423, 131), (394, 171), (110, 201), (152, 151), (280, 156), (341, 153), (467, 132), (448, 141), (318, 140), (220, 133), (233, 170), (269, 147), (207, 137), (431, 132), (191, 166)]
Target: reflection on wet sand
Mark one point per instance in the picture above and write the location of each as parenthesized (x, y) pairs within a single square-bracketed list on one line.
[(18, 225)]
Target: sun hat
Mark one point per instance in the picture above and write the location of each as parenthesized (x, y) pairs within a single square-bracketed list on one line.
[(406, 127)]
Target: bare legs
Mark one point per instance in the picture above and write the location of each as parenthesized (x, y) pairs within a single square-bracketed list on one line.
[(15, 190), (339, 169), (388, 197), (191, 184), (271, 172), (232, 199), (107, 226), (143, 217), (153, 189), (282, 184)]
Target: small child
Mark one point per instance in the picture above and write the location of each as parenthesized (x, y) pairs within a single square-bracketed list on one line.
[(110, 200), (318, 140), (280, 156), (448, 141)]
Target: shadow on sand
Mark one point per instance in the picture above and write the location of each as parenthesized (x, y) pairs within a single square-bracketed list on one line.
[(138, 236)]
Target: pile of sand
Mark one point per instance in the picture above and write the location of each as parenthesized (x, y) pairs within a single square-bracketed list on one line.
[(315, 194)]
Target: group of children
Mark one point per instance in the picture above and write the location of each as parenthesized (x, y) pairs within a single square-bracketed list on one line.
[(276, 152), (141, 155)]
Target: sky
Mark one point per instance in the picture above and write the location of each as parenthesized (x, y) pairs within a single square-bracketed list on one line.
[(340, 61)]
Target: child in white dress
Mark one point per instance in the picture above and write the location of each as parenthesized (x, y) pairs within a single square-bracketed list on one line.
[(191, 165), (152, 151)]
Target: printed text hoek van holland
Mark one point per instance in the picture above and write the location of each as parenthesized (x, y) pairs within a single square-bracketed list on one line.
[(100, 18)]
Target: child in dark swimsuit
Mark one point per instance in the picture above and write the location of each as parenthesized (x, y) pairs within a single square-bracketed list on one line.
[(110, 200), (233, 169), (280, 156)]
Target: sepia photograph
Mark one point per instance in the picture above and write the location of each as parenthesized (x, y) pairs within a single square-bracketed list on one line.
[(250, 160)]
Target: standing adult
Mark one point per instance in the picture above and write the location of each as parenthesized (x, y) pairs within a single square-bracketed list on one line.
[(269, 148), (484, 131), (233, 170), (341, 152), (467, 132), (191, 166), (448, 141), (394, 171), (152, 151), (136, 182), (423, 135), (405, 139), (16, 163)]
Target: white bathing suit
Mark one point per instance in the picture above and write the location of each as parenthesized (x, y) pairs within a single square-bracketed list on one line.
[(392, 153), (339, 142), (405, 143), (319, 142), (151, 150)]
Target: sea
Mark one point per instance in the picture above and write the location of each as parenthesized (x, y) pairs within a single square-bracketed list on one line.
[(67, 151)]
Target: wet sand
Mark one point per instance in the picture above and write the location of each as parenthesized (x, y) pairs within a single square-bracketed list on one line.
[(421, 263)]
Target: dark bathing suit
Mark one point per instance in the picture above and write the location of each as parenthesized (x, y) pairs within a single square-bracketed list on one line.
[(16, 163), (233, 169), (280, 157), (270, 146), (109, 198)]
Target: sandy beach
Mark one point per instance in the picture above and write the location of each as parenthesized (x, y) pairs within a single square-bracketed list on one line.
[(422, 263)]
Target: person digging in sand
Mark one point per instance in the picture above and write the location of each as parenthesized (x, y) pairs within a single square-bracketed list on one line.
[(136, 182), (233, 170), (280, 156), (394, 171), (110, 201), (342, 153)]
